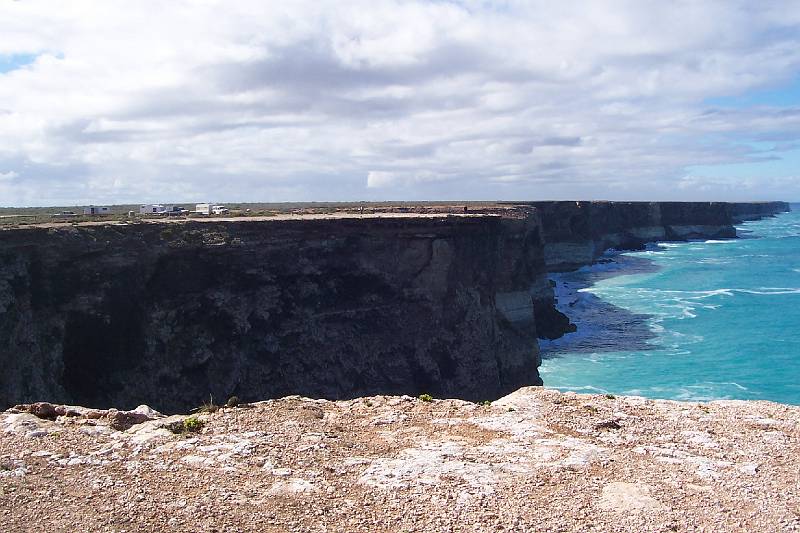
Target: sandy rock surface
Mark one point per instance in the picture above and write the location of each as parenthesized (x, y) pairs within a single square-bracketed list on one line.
[(536, 460)]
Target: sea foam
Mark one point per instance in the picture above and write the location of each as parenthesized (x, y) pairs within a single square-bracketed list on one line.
[(689, 320)]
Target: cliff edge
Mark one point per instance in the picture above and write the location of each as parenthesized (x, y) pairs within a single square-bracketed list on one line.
[(536, 460), (176, 314)]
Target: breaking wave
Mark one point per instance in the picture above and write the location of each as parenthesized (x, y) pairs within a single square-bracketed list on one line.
[(685, 320)]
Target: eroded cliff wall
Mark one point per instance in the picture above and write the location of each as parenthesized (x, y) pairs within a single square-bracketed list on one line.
[(577, 233), (741, 212), (170, 314)]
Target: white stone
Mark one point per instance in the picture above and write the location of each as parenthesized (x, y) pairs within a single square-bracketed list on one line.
[(17, 472), (749, 468), (388, 418), (629, 498), (427, 466), (148, 412), (293, 485), (194, 460), (42, 453)]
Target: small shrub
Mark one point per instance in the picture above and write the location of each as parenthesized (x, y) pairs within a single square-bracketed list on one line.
[(233, 401), (192, 424), (511, 409), (426, 397), (610, 396), (207, 407), (486, 403)]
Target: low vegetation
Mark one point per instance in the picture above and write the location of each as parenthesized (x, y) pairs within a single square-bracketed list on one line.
[(233, 401), (207, 407), (191, 424)]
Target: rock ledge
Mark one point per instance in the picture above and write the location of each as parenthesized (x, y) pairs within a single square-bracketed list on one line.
[(536, 460)]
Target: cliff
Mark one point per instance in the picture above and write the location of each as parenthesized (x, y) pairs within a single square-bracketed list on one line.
[(741, 212), (577, 233), (173, 314)]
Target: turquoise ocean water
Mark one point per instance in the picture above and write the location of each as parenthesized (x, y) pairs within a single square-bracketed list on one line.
[(690, 321)]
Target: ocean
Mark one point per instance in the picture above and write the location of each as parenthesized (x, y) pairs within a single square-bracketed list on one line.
[(701, 320)]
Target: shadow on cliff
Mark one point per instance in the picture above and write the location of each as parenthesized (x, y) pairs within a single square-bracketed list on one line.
[(175, 315), (601, 325)]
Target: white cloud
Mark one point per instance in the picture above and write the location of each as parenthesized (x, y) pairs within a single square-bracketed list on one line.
[(377, 178), (253, 100)]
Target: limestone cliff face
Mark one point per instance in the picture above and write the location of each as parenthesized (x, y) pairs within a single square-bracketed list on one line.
[(741, 212), (577, 233), (173, 313)]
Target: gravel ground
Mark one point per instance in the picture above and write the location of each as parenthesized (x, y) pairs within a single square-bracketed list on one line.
[(536, 460)]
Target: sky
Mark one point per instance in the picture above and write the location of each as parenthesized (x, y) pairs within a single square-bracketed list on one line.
[(110, 102)]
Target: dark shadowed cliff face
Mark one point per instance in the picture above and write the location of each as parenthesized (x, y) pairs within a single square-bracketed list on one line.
[(169, 314)]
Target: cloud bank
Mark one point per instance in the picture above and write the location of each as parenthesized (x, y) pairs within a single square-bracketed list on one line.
[(358, 100)]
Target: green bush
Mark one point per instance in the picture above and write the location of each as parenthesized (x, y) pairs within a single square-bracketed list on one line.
[(190, 424), (193, 424), (426, 397)]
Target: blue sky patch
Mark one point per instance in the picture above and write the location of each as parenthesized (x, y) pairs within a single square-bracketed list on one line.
[(786, 95), (15, 61), (785, 163)]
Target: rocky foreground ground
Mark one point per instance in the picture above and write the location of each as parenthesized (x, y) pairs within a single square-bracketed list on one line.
[(536, 460)]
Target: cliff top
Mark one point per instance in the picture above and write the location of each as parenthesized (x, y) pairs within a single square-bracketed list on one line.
[(43, 218), (534, 460), (254, 218)]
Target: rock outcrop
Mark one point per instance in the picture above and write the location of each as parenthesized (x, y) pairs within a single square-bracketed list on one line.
[(174, 314), (179, 313)]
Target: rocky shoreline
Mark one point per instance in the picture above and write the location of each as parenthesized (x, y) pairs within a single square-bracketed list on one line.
[(535, 460)]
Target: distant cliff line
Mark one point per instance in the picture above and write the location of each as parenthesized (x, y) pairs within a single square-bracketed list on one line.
[(171, 314), (577, 233)]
